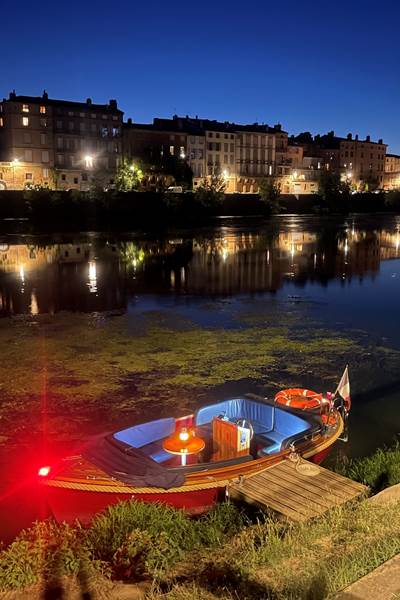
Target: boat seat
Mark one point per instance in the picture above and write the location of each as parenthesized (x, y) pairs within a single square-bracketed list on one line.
[(149, 437)]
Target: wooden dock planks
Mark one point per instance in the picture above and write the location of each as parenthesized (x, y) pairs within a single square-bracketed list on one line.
[(297, 489)]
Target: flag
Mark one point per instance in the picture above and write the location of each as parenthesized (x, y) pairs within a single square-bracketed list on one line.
[(343, 389)]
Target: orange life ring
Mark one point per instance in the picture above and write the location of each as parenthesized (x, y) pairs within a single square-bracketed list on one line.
[(329, 419), (299, 398)]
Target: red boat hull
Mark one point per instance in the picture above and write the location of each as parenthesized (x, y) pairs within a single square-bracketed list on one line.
[(69, 505)]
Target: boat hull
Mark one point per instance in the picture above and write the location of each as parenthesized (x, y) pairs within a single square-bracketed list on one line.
[(69, 504)]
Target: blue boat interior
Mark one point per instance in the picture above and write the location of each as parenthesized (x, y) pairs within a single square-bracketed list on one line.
[(275, 428)]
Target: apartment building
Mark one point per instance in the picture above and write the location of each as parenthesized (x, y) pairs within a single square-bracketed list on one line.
[(59, 143), (392, 172)]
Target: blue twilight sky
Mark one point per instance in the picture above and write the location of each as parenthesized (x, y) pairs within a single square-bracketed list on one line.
[(311, 65)]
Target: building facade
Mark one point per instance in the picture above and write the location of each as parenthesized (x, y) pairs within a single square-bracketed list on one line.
[(392, 172), (69, 141)]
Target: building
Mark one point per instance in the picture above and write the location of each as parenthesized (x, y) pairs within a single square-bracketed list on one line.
[(392, 172), (241, 154), (59, 143)]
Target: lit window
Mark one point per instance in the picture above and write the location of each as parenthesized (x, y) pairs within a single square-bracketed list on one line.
[(45, 156), (28, 176), (43, 122), (25, 121), (182, 152), (43, 139), (25, 108), (28, 155), (42, 110), (1, 122), (172, 150), (104, 131), (45, 173)]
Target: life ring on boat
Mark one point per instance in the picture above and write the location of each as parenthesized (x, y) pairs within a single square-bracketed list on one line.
[(329, 419), (299, 398)]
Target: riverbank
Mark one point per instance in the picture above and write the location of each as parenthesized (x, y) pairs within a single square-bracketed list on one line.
[(229, 553), (45, 210)]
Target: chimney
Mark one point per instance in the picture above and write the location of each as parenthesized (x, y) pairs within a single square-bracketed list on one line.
[(356, 138), (113, 104), (88, 101), (45, 95), (129, 121), (13, 95), (278, 127), (349, 136), (380, 141), (368, 138)]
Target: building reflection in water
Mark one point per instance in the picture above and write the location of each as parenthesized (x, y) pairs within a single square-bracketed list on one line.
[(96, 274)]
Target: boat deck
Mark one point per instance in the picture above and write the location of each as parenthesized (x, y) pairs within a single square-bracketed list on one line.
[(296, 489)]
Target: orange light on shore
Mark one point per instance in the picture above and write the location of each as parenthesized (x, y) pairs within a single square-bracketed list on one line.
[(44, 471)]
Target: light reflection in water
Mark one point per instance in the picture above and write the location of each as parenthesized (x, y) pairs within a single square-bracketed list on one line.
[(92, 283)]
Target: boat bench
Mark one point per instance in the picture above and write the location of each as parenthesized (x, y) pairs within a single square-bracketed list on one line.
[(149, 437), (272, 426)]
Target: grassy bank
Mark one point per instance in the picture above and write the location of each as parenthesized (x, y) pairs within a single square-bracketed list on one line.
[(225, 554)]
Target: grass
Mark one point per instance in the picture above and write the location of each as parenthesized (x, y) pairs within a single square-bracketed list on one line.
[(378, 471), (221, 555)]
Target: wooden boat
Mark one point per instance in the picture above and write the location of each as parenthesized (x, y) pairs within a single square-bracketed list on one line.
[(134, 462)]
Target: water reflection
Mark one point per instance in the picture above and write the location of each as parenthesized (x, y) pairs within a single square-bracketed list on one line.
[(94, 273)]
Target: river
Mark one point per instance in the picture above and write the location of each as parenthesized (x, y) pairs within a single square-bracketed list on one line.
[(101, 330)]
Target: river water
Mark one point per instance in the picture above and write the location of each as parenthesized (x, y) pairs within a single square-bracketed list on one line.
[(331, 276)]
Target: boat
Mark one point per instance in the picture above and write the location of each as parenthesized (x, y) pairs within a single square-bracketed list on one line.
[(189, 462)]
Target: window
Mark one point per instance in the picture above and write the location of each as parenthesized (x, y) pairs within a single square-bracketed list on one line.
[(82, 115), (84, 177), (104, 116), (27, 138), (114, 118), (45, 156), (25, 121), (93, 127), (70, 113), (115, 131), (43, 122), (59, 124), (72, 160), (42, 110), (172, 150), (28, 176), (182, 152), (25, 108), (63, 177), (93, 115), (60, 159), (1, 122), (28, 155), (82, 127), (45, 173), (217, 135), (104, 132), (43, 139), (75, 180), (232, 147)]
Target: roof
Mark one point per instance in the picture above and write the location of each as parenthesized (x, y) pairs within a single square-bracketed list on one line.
[(88, 105), (392, 155), (198, 126)]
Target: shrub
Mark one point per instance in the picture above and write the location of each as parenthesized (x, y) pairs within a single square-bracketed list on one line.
[(378, 471)]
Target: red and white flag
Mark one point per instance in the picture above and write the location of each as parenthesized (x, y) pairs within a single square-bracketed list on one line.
[(343, 389)]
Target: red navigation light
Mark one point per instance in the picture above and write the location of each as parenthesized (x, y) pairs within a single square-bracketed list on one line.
[(44, 471)]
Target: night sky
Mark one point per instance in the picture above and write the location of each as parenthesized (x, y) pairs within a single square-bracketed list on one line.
[(311, 65)]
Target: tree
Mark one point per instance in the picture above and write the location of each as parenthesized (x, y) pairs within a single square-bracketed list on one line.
[(210, 193), (270, 191), (334, 191), (128, 176), (369, 183)]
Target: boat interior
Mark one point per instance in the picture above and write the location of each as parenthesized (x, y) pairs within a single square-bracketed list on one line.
[(273, 428)]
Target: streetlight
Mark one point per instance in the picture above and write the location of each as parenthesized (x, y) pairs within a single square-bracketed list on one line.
[(89, 161)]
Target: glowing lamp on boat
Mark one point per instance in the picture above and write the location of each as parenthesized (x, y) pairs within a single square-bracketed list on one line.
[(184, 434), (44, 471)]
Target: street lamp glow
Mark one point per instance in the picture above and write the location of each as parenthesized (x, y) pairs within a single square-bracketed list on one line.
[(15, 162), (225, 173), (349, 175), (132, 168), (88, 161)]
